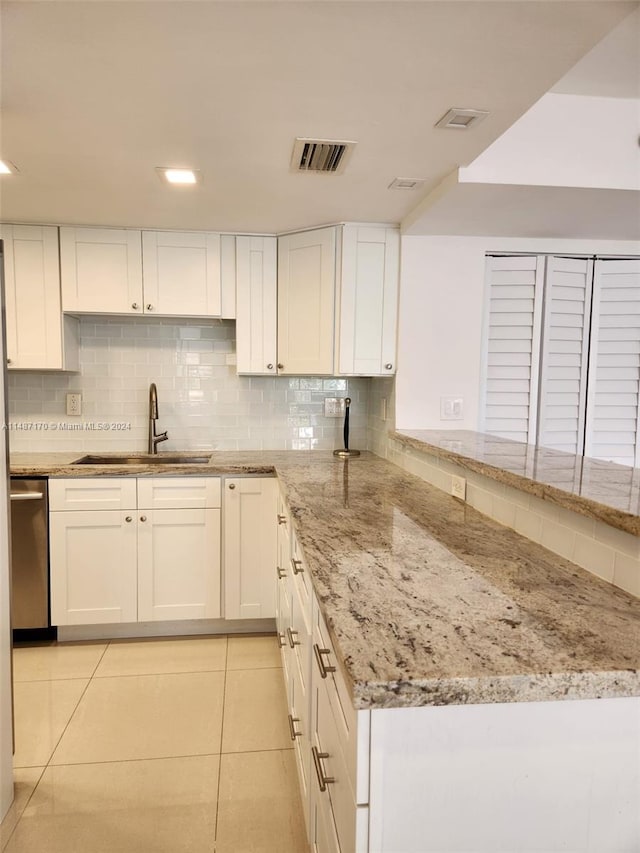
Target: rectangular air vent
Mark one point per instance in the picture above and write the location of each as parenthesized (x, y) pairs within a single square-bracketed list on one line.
[(320, 155)]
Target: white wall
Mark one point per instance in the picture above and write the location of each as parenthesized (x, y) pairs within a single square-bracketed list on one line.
[(441, 318)]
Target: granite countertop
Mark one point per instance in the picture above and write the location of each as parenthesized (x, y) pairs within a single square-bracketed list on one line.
[(428, 601), (597, 489)]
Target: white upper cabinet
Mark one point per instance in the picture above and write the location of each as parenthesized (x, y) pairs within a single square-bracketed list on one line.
[(306, 294), (368, 301), (181, 273), (126, 271), (38, 337), (101, 270), (256, 305)]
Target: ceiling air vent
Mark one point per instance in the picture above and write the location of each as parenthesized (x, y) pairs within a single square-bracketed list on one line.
[(320, 155)]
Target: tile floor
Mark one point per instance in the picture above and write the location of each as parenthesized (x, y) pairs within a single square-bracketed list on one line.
[(153, 746)]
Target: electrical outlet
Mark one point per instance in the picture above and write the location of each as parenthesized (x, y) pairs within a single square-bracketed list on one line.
[(383, 408), (458, 487), (74, 404), (334, 407)]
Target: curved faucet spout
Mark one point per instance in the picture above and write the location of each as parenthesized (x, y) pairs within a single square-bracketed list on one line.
[(154, 437)]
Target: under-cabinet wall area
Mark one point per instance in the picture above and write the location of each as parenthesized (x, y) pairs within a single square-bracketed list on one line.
[(203, 403)]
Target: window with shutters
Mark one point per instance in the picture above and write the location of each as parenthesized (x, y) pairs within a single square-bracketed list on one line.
[(562, 354)]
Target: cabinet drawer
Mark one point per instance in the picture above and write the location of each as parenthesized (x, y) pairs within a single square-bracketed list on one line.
[(179, 493), (329, 763), (352, 726), (92, 493)]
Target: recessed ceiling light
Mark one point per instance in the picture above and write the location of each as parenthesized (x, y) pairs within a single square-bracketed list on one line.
[(406, 183), (461, 119), (179, 177), (7, 168)]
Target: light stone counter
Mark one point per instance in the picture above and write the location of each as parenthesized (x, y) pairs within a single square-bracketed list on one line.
[(592, 487), (428, 601)]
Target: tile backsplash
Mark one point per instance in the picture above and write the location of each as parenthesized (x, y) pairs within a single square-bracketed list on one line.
[(203, 403)]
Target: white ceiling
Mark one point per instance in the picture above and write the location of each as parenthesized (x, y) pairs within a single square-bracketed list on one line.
[(97, 94)]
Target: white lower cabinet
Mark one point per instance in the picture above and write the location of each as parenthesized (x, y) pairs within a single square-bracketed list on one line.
[(250, 547), (134, 562)]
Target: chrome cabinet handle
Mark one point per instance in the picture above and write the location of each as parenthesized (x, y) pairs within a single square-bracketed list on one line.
[(143, 518), (269, 367), (282, 519), (26, 496), (281, 573), (388, 366), (149, 307), (281, 640), (232, 485), (8, 361), (293, 643), (128, 519), (135, 306), (323, 780), (292, 727), (297, 566), (280, 366), (322, 666)]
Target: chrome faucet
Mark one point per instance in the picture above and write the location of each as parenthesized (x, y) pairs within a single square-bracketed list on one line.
[(154, 437)]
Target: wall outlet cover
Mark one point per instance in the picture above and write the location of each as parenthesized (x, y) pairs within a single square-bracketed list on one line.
[(334, 407), (459, 487), (451, 408), (74, 404)]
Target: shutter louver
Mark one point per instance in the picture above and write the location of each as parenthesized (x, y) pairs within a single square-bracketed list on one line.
[(512, 351), (614, 373), (563, 378)]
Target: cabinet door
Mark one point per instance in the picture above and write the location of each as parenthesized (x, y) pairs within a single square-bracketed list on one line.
[(368, 300), (306, 287), (93, 567), (35, 333), (256, 305), (101, 270), (178, 564), (250, 550), (181, 273)]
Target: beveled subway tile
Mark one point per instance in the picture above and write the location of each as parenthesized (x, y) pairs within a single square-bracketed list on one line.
[(46, 663), (145, 716), (253, 653), (42, 709), (255, 711), (149, 657), (264, 786), (156, 806)]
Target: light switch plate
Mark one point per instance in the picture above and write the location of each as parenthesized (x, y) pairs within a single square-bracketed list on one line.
[(458, 487), (451, 408), (334, 407), (74, 404)]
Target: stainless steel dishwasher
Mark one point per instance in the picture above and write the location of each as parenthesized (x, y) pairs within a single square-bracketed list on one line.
[(29, 553)]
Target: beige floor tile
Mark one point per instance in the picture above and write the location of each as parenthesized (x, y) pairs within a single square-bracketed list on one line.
[(25, 780), (159, 806), (42, 663), (259, 810), (255, 711), (150, 657), (253, 653), (42, 710), (145, 716)]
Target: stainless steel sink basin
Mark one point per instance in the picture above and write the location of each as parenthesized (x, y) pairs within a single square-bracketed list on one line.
[(145, 459)]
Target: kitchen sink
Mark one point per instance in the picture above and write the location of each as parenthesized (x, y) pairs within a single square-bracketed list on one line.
[(145, 459)]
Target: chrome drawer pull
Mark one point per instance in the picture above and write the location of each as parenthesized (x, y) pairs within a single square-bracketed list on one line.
[(323, 780), (322, 666), (297, 566), (281, 573), (292, 727), (282, 519), (281, 640), (292, 642)]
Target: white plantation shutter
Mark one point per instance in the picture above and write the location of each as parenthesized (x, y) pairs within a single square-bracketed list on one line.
[(512, 346), (614, 372), (565, 350)]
